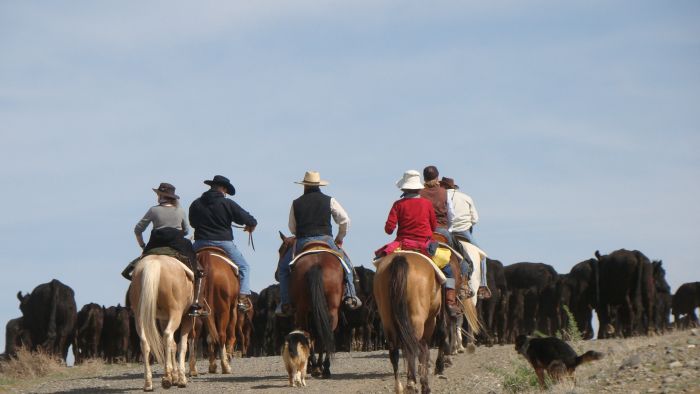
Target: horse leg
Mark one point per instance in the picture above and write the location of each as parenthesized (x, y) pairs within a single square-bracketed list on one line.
[(211, 346), (424, 361), (394, 357), (411, 385), (193, 356), (182, 351), (168, 343), (327, 366), (146, 351), (233, 316)]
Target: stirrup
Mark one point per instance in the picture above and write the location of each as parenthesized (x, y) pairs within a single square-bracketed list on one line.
[(484, 292), (352, 302), (244, 306), (197, 311)]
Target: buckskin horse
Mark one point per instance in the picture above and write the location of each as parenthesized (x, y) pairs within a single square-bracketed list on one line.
[(161, 289), (220, 293), (410, 302), (316, 290)]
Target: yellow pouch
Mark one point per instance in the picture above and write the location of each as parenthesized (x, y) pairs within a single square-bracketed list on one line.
[(442, 257)]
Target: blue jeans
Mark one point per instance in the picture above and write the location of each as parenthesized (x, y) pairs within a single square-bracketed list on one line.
[(470, 238), (283, 271), (230, 248)]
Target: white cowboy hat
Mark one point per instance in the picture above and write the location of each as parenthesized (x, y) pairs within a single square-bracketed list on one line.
[(410, 181), (312, 178)]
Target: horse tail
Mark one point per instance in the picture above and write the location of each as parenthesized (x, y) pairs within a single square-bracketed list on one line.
[(472, 316), (319, 308), (398, 271), (150, 280)]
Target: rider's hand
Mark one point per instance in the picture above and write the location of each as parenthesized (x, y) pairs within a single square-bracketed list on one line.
[(249, 229), (339, 242)]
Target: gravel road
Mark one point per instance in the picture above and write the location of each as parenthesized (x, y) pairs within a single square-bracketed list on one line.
[(659, 364)]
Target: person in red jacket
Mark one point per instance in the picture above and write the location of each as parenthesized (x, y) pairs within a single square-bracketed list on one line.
[(416, 221)]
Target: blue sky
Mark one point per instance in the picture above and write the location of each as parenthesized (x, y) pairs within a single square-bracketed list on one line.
[(574, 125)]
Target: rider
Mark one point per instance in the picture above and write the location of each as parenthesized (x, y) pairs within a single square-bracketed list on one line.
[(417, 221), (169, 230), (211, 215), (463, 223), (444, 212), (310, 220)]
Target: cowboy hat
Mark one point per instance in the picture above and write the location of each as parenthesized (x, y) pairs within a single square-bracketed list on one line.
[(166, 190), (220, 180), (410, 181), (312, 178), (448, 183)]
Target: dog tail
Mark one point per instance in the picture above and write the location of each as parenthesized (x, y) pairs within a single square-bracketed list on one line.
[(588, 357)]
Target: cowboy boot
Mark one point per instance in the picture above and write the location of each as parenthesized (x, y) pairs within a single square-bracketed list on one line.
[(244, 303), (196, 310), (130, 268), (451, 301)]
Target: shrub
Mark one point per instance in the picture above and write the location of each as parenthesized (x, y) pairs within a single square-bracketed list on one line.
[(571, 332), (29, 365)]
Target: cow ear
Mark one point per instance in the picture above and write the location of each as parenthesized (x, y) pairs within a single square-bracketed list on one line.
[(19, 295), (597, 255), (282, 236)]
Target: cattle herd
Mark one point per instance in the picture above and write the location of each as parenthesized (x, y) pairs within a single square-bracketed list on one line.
[(626, 290)]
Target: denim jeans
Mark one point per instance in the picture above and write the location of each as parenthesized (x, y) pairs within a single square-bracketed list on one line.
[(230, 248), (470, 238), (283, 271)]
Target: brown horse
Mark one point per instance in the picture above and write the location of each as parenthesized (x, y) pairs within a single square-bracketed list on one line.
[(411, 308), (243, 331), (161, 289), (316, 289), (220, 293)]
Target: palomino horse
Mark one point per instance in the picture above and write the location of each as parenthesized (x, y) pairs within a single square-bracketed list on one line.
[(410, 301), (220, 293), (316, 290), (475, 255), (161, 289)]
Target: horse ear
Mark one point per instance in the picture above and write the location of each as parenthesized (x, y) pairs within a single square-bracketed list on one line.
[(282, 236)]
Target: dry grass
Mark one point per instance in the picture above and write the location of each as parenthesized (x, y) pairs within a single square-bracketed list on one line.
[(29, 365)]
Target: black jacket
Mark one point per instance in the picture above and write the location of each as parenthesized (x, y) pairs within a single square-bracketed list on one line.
[(211, 216), (312, 212)]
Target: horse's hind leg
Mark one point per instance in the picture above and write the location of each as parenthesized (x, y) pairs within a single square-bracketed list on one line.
[(394, 357), (424, 365), (327, 366), (146, 351)]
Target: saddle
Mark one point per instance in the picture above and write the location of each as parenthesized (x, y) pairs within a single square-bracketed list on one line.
[(439, 275), (218, 252), (440, 238), (168, 251), (320, 247)]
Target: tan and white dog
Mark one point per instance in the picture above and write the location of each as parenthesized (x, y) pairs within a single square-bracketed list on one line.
[(295, 354)]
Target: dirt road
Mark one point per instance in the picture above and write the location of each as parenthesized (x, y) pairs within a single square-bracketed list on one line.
[(660, 364)]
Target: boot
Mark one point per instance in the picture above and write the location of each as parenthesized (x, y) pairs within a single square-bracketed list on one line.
[(244, 303), (196, 310), (451, 301), (130, 268)]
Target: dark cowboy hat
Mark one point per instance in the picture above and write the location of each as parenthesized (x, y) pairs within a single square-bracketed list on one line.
[(220, 180), (166, 190), (448, 183)]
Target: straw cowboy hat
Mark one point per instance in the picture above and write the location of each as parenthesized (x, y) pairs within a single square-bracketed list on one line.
[(312, 178), (220, 180), (448, 183), (166, 190), (410, 181)]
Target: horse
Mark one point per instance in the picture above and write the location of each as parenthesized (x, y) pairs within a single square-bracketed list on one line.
[(161, 289), (243, 329), (410, 303), (220, 293), (316, 289)]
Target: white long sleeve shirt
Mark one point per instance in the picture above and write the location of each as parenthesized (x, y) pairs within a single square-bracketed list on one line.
[(464, 210), (340, 217)]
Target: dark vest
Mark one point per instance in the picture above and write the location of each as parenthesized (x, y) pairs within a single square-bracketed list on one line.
[(438, 196), (312, 213)]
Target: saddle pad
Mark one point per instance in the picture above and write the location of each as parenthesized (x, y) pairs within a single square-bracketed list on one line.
[(439, 275), (184, 266), (321, 250), (227, 260), (473, 250)]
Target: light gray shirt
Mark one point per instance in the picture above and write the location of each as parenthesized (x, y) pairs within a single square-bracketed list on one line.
[(163, 216)]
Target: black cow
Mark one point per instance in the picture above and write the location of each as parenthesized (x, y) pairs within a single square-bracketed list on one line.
[(493, 311), (116, 333), (269, 330), (662, 306), (88, 332), (581, 289), (533, 279), (16, 336), (626, 293), (357, 326), (685, 300), (50, 315)]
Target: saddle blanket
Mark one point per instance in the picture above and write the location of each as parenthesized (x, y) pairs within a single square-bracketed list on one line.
[(347, 269), (184, 266), (439, 275), (227, 260)]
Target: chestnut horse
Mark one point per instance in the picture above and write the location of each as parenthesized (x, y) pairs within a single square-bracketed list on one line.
[(316, 289), (220, 287), (161, 289)]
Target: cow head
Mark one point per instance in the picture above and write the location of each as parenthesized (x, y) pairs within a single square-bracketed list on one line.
[(23, 299)]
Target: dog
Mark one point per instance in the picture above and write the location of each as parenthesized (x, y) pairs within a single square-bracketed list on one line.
[(552, 355), (295, 354)]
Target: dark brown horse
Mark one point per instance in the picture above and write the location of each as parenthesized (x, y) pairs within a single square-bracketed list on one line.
[(220, 287), (316, 289)]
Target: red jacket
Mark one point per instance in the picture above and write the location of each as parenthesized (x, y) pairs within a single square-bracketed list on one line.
[(415, 218)]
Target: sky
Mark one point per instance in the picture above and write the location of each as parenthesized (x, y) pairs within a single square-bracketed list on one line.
[(575, 126)]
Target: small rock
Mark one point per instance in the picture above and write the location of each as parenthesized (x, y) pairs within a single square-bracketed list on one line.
[(692, 341), (669, 380), (651, 390), (442, 377), (694, 332), (675, 364), (631, 361), (691, 346)]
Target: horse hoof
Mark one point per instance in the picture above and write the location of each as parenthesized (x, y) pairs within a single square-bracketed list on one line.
[(166, 383), (471, 348), (148, 389), (212, 369), (326, 375), (316, 374)]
